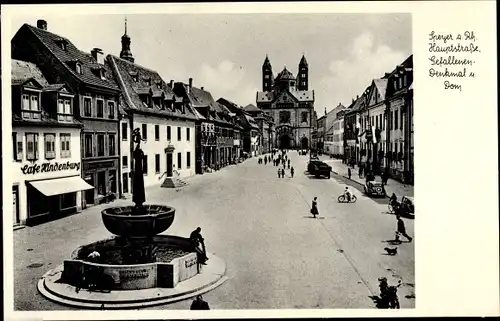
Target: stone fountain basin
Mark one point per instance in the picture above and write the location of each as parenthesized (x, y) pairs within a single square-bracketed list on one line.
[(126, 221)]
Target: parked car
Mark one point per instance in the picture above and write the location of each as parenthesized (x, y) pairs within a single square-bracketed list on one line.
[(407, 206), (315, 157), (373, 188), (319, 168)]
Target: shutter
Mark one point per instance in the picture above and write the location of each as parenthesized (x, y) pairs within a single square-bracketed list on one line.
[(35, 145)]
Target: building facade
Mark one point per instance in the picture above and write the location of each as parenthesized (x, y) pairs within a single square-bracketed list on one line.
[(165, 121), (338, 134), (288, 100), (46, 166), (266, 128), (95, 102)]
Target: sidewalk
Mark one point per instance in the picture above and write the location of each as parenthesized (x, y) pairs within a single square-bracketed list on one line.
[(392, 186)]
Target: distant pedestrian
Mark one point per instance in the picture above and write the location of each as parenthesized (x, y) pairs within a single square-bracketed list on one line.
[(199, 304), (265, 160), (283, 172), (279, 172), (401, 229), (291, 171), (314, 207), (349, 173), (360, 172), (288, 163)]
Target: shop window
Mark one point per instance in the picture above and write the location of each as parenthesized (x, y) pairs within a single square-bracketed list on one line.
[(112, 145), (100, 145), (145, 131), (188, 134), (124, 161), (169, 133), (89, 148), (65, 140), (100, 108), (112, 181), (157, 132), (87, 106), (111, 109), (157, 163), (17, 144), (188, 160), (145, 164), (31, 146), (124, 131), (179, 133), (179, 160), (67, 201)]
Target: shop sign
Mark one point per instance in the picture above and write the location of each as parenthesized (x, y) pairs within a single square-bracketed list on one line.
[(50, 167)]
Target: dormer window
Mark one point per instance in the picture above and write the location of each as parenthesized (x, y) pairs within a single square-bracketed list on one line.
[(64, 109), (148, 81), (62, 43), (103, 74), (99, 72), (135, 76), (159, 85), (30, 108), (146, 100), (78, 68)]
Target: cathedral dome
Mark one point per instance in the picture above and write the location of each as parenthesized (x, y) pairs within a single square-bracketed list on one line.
[(285, 75)]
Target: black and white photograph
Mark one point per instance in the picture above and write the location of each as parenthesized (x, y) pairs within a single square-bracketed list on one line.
[(215, 161)]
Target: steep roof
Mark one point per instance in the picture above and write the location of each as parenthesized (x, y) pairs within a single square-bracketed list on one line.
[(381, 85), (285, 74), (251, 108), (148, 82), (301, 95), (51, 42), (22, 71)]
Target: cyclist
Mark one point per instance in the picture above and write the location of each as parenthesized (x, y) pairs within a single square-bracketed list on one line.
[(347, 194)]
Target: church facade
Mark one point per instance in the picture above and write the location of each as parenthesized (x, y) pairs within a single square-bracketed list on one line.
[(288, 100)]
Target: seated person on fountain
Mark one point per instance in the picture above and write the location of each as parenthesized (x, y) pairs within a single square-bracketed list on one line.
[(197, 239)]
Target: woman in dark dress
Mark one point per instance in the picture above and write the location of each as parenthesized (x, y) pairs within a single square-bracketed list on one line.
[(314, 208)]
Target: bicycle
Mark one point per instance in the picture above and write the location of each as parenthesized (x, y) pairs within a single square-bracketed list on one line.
[(343, 199)]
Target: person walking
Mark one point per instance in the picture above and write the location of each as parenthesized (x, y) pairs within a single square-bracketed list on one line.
[(288, 163), (279, 172), (314, 207), (199, 304), (283, 172), (197, 240), (349, 173), (401, 229), (265, 160), (291, 171)]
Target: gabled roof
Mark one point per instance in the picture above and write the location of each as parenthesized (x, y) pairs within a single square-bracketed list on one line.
[(251, 108), (22, 71), (285, 74), (265, 96), (125, 71), (381, 85), (52, 43), (251, 122), (303, 95)]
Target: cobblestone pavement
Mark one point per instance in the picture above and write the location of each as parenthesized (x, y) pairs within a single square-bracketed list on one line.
[(277, 256)]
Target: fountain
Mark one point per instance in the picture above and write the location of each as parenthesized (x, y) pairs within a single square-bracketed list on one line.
[(137, 258)]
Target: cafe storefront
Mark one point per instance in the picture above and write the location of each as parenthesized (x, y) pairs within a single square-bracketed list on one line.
[(48, 190), (103, 175)]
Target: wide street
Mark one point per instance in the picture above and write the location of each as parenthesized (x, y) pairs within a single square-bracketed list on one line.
[(277, 256)]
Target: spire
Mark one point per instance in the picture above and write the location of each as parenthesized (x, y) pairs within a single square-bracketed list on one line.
[(126, 53), (267, 63), (303, 61)]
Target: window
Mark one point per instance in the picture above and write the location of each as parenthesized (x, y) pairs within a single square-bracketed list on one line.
[(124, 161), (395, 119), (265, 84), (87, 107), (34, 103), (18, 148), (168, 133), (65, 145), (111, 109), (157, 163), (303, 75), (304, 116), (100, 108), (50, 146), (400, 82), (157, 132), (178, 133), (188, 159), (188, 134), (125, 182), (179, 160), (89, 149), (31, 146), (67, 200), (266, 77), (26, 102), (303, 83), (376, 122), (112, 145), (64, 107), (144, 131), (145, 164), (124, 131), (404, 80), (100, 145), (391, 120)]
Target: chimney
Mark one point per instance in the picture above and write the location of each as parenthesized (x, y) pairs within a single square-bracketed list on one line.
[(357, 97), (41, 24), (190, 83), (202, 88), (171, 85), (97, 55)]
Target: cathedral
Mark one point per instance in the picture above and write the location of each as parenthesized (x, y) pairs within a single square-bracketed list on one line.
[(290, 102)]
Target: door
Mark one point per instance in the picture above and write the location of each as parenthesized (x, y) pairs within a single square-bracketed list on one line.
[(101, 183), (169, 165), (15, 204), (125, 183), (90, 194)]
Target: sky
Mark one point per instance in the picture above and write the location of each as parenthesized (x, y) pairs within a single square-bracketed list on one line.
[(224, 53)]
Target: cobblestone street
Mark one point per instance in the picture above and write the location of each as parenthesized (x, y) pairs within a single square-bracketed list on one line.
[(277, 256)]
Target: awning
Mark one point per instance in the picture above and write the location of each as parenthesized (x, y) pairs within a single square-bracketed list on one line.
[(63, 185)]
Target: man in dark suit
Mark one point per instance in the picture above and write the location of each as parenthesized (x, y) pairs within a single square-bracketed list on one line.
[(199, 304)]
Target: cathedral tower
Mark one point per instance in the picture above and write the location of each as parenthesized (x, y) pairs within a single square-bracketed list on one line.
[(303, 75), (126, 53), (267, 75)]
